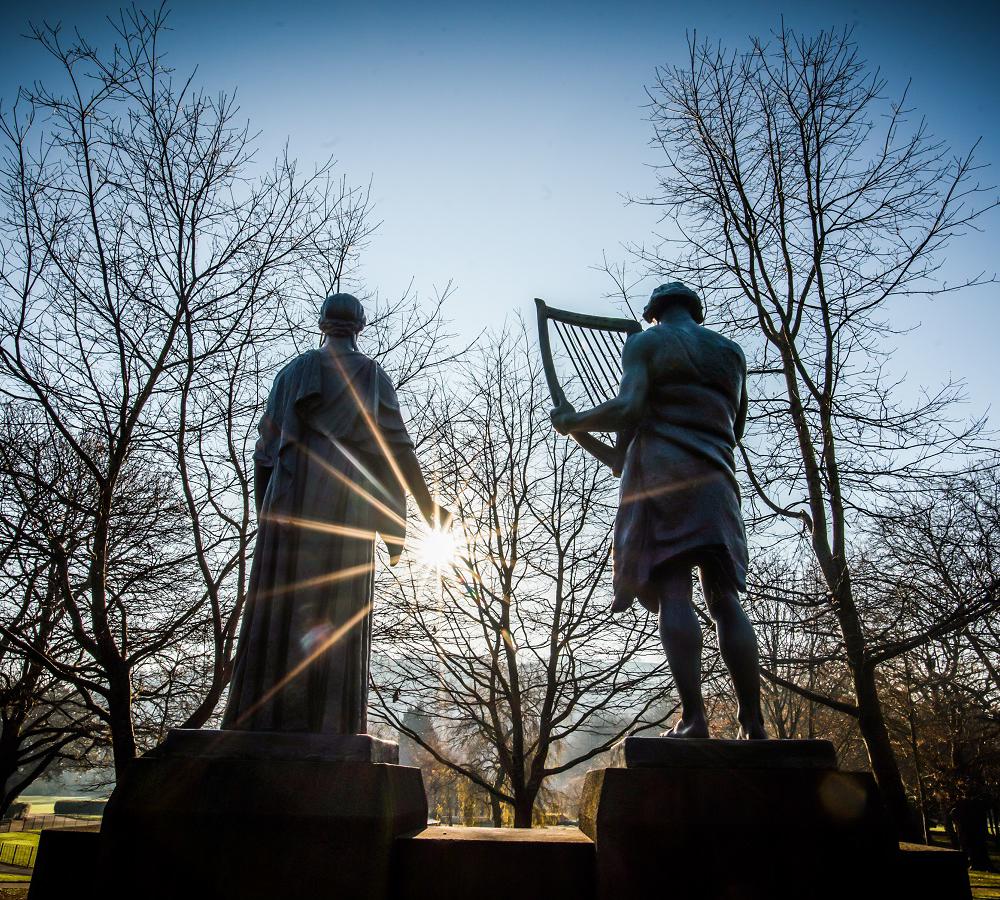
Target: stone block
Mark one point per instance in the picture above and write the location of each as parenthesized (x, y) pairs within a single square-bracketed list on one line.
[(232, 744), (256, 828), (451, 863), (65, 858), (671, 753), (935, 873), (753, 834)]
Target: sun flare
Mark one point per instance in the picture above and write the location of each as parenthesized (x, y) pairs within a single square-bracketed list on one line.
[(438, 549)]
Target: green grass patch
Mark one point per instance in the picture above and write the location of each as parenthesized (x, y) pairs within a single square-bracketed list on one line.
[(21, 837), (44, 804), (985, 885), (24, 841)]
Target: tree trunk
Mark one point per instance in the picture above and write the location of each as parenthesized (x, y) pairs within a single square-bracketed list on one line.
[(524, 805), (496, 811), (970, 818), (871, 721), (915, 753), (206, 708), (881, 756), (120, 721), (9, 789)]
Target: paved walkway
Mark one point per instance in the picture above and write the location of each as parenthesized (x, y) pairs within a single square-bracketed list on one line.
[(35, 823), (13, 870), (13, 891)]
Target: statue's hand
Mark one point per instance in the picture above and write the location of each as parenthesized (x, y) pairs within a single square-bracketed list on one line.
[(562, 417), (444, 516), (438, 516)]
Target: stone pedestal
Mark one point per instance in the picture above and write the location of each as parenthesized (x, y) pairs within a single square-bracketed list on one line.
[(212, 744), (234, 815), (728, 819), (922, 871), (457, 863)]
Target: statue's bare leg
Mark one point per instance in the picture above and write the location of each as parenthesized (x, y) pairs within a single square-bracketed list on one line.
[(738, 646), (680, 633)]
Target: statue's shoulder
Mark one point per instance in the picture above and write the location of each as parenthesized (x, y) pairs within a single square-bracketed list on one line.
[(304, 365), (380, 373), (724, 343), (297, 365), (641, 343)]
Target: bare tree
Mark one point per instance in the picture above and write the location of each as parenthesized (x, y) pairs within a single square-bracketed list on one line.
[(513, 651), (151, 280), (806, 692), (47, 513), (42, 719), (804, 211), (939, 559)]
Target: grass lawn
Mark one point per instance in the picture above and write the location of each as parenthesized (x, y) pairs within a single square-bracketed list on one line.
[(985, 885), (21, 838), (44, 804)]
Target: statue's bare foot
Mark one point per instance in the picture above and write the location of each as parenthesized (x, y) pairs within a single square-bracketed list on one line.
[(694, 728), (752, 731)]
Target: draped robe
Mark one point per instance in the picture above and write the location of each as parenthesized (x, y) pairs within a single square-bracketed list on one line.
[(679, 499), (330, 430)]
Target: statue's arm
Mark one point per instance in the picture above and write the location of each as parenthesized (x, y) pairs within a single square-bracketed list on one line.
[(261, 479), (739, 426), (741, 414), (409, 467), (612, 457), (621, 412)]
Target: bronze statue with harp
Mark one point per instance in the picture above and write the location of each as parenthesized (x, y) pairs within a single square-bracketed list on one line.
[(674, 399), (594, 346)]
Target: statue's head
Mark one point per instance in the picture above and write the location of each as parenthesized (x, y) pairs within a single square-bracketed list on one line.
[(342, 315), (674, 293)]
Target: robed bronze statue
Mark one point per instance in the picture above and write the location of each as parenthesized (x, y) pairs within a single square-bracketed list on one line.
[(678, 412), (332, 469)]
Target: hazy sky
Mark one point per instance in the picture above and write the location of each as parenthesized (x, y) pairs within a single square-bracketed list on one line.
[(502, 137)]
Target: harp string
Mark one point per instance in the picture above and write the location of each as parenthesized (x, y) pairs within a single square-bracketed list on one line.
[(614, 350), (596, 361), (599, 356), (579, 360), (579, 335)]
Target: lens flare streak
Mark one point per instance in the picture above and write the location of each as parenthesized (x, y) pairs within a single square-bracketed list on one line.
[(321, 648)]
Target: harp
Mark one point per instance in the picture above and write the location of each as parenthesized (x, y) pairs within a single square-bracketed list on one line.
[(592, 347)]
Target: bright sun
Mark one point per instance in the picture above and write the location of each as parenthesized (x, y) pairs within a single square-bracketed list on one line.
[(438, 549)]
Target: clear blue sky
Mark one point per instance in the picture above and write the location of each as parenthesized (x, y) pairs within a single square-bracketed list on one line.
[(502, 136)]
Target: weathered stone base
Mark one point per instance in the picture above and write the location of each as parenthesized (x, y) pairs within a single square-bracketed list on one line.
[(931, 872), (184, 825), (252, 828), (453, 863), (448, 863), (218, 744), (753, 833), (64, 857), (710, 753)]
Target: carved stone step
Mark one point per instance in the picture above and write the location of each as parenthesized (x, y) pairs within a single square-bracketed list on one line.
[(451, 863)]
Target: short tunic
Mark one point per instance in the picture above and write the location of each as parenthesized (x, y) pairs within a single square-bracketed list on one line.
[(679, 498), (303, 655)]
